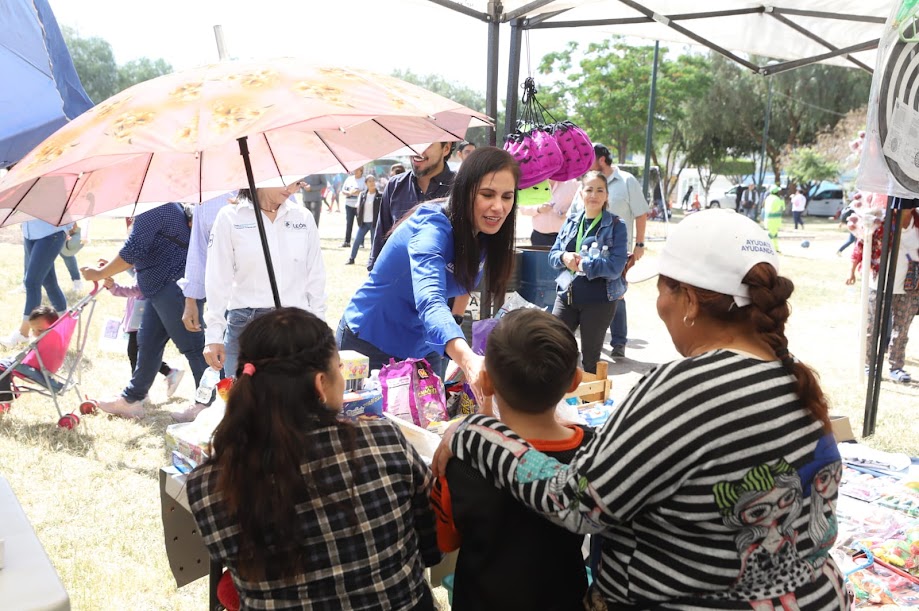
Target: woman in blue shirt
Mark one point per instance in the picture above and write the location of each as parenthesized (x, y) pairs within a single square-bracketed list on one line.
[(436, 252), (42, 242), (590, 287)]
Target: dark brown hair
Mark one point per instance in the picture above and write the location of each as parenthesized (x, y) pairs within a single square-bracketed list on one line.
[(499, 248), (767, 314), (531, 358), (47, 313), (264, 438)]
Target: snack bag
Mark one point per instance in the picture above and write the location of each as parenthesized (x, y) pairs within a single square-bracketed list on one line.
[(428, 393), (460, 401), (413, 392), (396, 384)]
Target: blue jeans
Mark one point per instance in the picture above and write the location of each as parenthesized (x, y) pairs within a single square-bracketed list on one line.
[(848, 242), (619, 328), (350, 216), (799, 218), (39, 272), (161, 322), (362, 230), (72, 266), (237, 320), (347, 340)]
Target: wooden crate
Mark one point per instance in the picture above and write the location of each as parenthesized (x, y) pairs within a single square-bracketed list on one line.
[(594, 387)]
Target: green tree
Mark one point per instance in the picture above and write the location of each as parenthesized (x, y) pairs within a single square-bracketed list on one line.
[(100, 75), (95, 64), (605, 90), (808, 168), (458, 93), (140, 70)]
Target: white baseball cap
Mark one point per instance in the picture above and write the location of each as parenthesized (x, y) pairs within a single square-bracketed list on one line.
[(712, 249)]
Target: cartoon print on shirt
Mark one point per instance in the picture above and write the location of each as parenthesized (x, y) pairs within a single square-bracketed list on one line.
[(764, 505), (823, 473)]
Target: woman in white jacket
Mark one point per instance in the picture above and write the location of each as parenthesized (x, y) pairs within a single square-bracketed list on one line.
[(236, 279)]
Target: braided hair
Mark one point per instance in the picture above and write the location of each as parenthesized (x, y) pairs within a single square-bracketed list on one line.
[(264, 438), (767, 314)]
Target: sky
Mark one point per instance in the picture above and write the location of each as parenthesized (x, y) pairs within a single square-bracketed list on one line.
[(379, 35)]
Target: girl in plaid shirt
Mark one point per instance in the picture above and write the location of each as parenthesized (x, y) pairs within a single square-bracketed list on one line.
[(308, 511)]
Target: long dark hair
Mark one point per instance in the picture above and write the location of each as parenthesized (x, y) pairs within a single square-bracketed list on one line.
[(767, 314), (263, 440), (499, 248)]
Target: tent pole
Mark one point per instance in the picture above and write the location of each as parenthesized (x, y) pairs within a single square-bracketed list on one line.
[(649, 134), (762, 160), (887, 268), (513, 77), (260, 223), (491, 87)]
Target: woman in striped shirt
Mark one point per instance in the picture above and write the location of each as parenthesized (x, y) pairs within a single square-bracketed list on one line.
[(714, 484)]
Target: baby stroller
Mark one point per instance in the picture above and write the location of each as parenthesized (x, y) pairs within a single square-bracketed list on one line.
[(42, 367)]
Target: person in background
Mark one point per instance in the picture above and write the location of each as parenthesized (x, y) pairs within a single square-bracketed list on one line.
[(463, 150), (511, 558), (843, 224), (130, 324), (42, 244), (313, 186), (589, 290), (773, 210), (684, 204), (368, 210), (738, 197), (396, 169), (73, 245), (714, 484), (748, 201), (352, 189), (344, 521), (156, 249), (798, 203), (236, 279), (905, 303), (429, 179), (192, 284), (628, 203), (435, 253), (548, 218)]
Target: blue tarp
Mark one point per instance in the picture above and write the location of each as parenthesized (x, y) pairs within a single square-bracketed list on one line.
[(39, 87)]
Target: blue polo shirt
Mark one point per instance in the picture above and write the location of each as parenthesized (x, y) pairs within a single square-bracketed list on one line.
[(402, 307), (157, 247)]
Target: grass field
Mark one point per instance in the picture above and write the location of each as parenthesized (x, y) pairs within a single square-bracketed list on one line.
[(92, 495)]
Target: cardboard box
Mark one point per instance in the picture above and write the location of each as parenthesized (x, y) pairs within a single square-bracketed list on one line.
[(842, 429), (354, 365), (367, 403)]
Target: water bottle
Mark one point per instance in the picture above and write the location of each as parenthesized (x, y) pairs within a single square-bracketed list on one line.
[(206, 387), (585, 257), (594, 251), (604, 254)]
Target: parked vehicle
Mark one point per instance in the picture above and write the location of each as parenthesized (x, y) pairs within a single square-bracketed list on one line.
[(826, 200)]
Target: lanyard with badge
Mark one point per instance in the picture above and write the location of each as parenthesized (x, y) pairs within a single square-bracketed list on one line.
[(565, 279)]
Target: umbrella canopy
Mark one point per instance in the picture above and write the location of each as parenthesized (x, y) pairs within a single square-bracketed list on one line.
[(39, 87), (174, 138)]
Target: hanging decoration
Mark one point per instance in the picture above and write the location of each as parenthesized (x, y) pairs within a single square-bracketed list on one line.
[(546, 148)]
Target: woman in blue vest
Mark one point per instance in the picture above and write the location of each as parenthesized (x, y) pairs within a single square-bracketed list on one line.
[(438, 251), (589, 287)]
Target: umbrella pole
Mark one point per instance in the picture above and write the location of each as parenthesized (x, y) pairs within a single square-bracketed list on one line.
[(244, 151)]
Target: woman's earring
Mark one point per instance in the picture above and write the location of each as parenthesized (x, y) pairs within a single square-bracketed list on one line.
[(691, 323)]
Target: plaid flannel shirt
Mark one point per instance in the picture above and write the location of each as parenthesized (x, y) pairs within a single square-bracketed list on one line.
[(371, 559)]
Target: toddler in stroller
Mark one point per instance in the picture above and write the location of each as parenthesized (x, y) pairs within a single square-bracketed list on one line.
[(40, 319), (37, 367)]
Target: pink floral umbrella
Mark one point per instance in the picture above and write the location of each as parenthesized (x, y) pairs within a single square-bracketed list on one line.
[(184, 137)]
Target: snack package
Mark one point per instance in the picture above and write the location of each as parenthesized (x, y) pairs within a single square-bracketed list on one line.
[(363, 404), (428, 391), (460, 401), (413, 392), (354, 365), (396, 387)]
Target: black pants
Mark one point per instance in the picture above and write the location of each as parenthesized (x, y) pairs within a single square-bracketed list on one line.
[(315, 208), (427, 601), (593, 319), (350, 214), (538, 238), (132, 354)]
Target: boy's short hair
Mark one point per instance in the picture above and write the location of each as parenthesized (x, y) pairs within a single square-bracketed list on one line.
[(44, 312), (531, 358)]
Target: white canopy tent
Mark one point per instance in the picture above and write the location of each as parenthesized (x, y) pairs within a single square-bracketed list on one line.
[(800, 32), (794, 32)]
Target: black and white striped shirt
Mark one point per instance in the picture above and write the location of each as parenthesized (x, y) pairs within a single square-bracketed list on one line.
[(711, 487)]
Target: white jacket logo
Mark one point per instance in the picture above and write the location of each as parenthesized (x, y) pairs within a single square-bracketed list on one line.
[(290, 225)]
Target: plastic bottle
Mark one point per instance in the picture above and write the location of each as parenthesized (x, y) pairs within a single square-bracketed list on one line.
[(209, 380), (604, 254), (594, 251), (585, 257)]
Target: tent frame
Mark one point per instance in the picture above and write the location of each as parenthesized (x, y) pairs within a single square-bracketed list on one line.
[(525, 18)]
